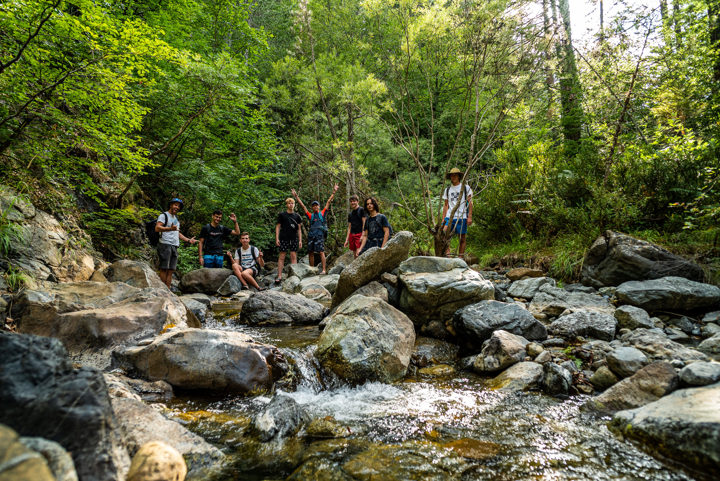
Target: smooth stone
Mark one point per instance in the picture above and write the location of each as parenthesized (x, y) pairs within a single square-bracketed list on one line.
[(501, 351), (603, 378), (711, 346), (598, 325), (527, 288), (157, 461), (19, 462), (230, 286), (519, 273), (669, 293), (656, 345), (204, 280), (522, 376), (135, 273), (301, 271), (552, 301), (626, 361), (476, 322), (534, 349), (700, 373), (270, 308), (282, 417), (556, 379), (631, 317)]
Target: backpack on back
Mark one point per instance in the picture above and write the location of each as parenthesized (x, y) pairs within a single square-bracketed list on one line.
[(323, 226), (152, 235)]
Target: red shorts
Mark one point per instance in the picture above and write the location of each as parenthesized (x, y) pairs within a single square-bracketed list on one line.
[(354, 241)]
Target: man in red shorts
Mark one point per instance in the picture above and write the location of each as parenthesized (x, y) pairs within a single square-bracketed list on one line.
[(356, 224)]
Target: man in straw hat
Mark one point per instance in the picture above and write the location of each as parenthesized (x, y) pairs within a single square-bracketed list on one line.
[(457, 194)]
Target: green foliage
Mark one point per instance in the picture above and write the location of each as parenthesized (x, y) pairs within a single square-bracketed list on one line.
[(118, 232), (15, 278), (10, 233)]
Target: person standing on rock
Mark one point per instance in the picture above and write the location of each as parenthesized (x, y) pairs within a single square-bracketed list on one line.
[(377, 228), (247, 262), (356, 225), (288, 236), (212, 235), (461, 196), (318, 227), (168, 226)]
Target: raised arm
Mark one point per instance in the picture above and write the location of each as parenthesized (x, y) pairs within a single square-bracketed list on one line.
[(332, 196), (233, 218), (294, 193)]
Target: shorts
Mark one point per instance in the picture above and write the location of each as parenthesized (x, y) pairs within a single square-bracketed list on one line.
[(168, 256), (213, 260), (289, 245), (370, 243), (354, 241), (459, 226), (316, 244)]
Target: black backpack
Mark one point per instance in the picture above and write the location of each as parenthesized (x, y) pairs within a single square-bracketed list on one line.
[(152, 235)]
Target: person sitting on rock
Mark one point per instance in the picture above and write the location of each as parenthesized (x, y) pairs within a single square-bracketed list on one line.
[(212, 235), (377, 227), (288, 236), (318, 227), (247, 262), (168, 226), (356, 225), (460, 195)]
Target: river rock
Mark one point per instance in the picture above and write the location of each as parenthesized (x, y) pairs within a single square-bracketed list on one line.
[(476, 322), (522, 376), (711, 346), (435, 287), (556, 379), (371, 264), (199, 309), (615, 258), (19, 462), (157, 461), (282, 417), (551, 301), (700, 373), (684, 426), (655, 344), (205, 280), (645, 386), (269, 308), (301, 271), (58, 459), (520, 273), (626, 361), (631, 317), (206, 359), (135, 273), (527, 288), (141, 424), (373, 289), (317, 293), (328, 282), (598, 325), (366, 339), (710, 330), (603, 378), (669, 293), (429, 351), (230, 286), (138, 389), (501, 351), (42, 395)]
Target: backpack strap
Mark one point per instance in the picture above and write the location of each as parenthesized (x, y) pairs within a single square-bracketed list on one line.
[(166, 219)]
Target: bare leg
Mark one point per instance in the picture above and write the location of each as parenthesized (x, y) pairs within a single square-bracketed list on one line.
[(166, 277), (293, 257), (311, 258), (322, 259), (248, 275), (461, 247), (281, 263), (237, 270)]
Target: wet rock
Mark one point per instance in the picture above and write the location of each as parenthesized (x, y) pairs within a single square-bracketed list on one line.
[(700, 373), (206, 359), (711, 346), (301, 271), (281, 418), (501, 351), (615, 258), (20, 462), (522, 376), (157, 461), (598, 325), (556, 379), (527, 288), (291, 285), (437, 329), (325, 428), (43, 396), (435, 287), (371, 264), (552, 301), (658, 347), (366, 339), (204, 280), (141, 424), (57, 458), (669, 293), (135, 273), (684, 426), (317, 293), (230, 286), (626, 361), (477, 322), (437, 370), (269, 308), (519, 273), (603, 378), (631, 317), (713, 316), (203, 299), (645, 386), (199, 309), (430, 351), (710, 330)]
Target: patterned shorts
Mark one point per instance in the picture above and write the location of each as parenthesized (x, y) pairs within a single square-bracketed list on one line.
[(316, 244), (288, 245)]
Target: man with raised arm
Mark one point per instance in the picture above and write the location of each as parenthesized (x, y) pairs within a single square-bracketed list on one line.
[(318, 227), (212, 235)]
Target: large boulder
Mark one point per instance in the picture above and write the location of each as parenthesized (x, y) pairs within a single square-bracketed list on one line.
[(669, 293), (527, 288), (135, 273), (645, 386), (436, 287), (501, 351), (476, 323), (615, 258), (328, 281), (700, 373), (205, 280), (598, 325), (302, 271), (684, 426), (656, 346), (206, 359), (366, 339), (551, 301), (371, 264), (268, 308), (43, 395)]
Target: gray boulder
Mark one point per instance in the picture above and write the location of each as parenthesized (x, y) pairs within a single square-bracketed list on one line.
[(711, 346), (552, 301), (205, 280), (206, 359), (598, 325), (301, 271), (615, 258), (270, 308), (317, 293), (371, 264), (230, 286), (645, 386), (527, 288), (366, 339), (556, 379), (522, 376), (373, 289), (684, 426), (501, 351), (476, 323), (655, 344), (626, 361), (329, 282), (196, 307), (700, 373), (603, 378), (282, 417), (631, 317), (669, 293), (135, 273), (435, 287)]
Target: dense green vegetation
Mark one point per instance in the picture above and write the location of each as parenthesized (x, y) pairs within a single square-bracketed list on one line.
[(109, 109)]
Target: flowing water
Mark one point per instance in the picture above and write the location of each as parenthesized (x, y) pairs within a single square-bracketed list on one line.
[(450, 427)]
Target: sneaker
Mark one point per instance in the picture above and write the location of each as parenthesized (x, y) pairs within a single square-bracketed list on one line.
[(244, 288), (261, 288), (278, 280)]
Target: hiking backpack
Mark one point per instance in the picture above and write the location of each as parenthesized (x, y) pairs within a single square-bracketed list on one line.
[(152, 235)]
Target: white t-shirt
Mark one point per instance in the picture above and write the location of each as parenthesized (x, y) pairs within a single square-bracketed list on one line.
[(171, 237), (452, 194), (246, 257)]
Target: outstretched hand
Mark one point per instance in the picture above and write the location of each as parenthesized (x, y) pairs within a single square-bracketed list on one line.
[(335, 189), (193, 240), (233, 217), (294, 193)]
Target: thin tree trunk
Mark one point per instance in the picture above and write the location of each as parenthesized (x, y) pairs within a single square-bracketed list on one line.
[(714, 27), (602, 21), (570, 90)]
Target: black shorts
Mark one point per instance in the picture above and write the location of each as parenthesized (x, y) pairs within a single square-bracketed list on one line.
[(316, 244), (168, 256), (289, 245)]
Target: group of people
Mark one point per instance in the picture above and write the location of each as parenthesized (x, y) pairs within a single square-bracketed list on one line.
[(367, 228)]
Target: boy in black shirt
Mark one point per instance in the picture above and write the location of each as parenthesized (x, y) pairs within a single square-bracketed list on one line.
[(288, 235), (356, 225), (212, 235)]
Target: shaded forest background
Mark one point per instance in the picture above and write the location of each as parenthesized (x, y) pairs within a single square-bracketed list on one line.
[(108, 109)]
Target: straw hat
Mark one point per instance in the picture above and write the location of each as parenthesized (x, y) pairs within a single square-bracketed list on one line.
[(454, 170)]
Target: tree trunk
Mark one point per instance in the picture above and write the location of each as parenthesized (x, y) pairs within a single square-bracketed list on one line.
[(714, 27), (602, 21), (350, 151), (570, 90)]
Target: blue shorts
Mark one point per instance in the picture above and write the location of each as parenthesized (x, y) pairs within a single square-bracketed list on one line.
[(213, 261), (458, 225), (316, 244)]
